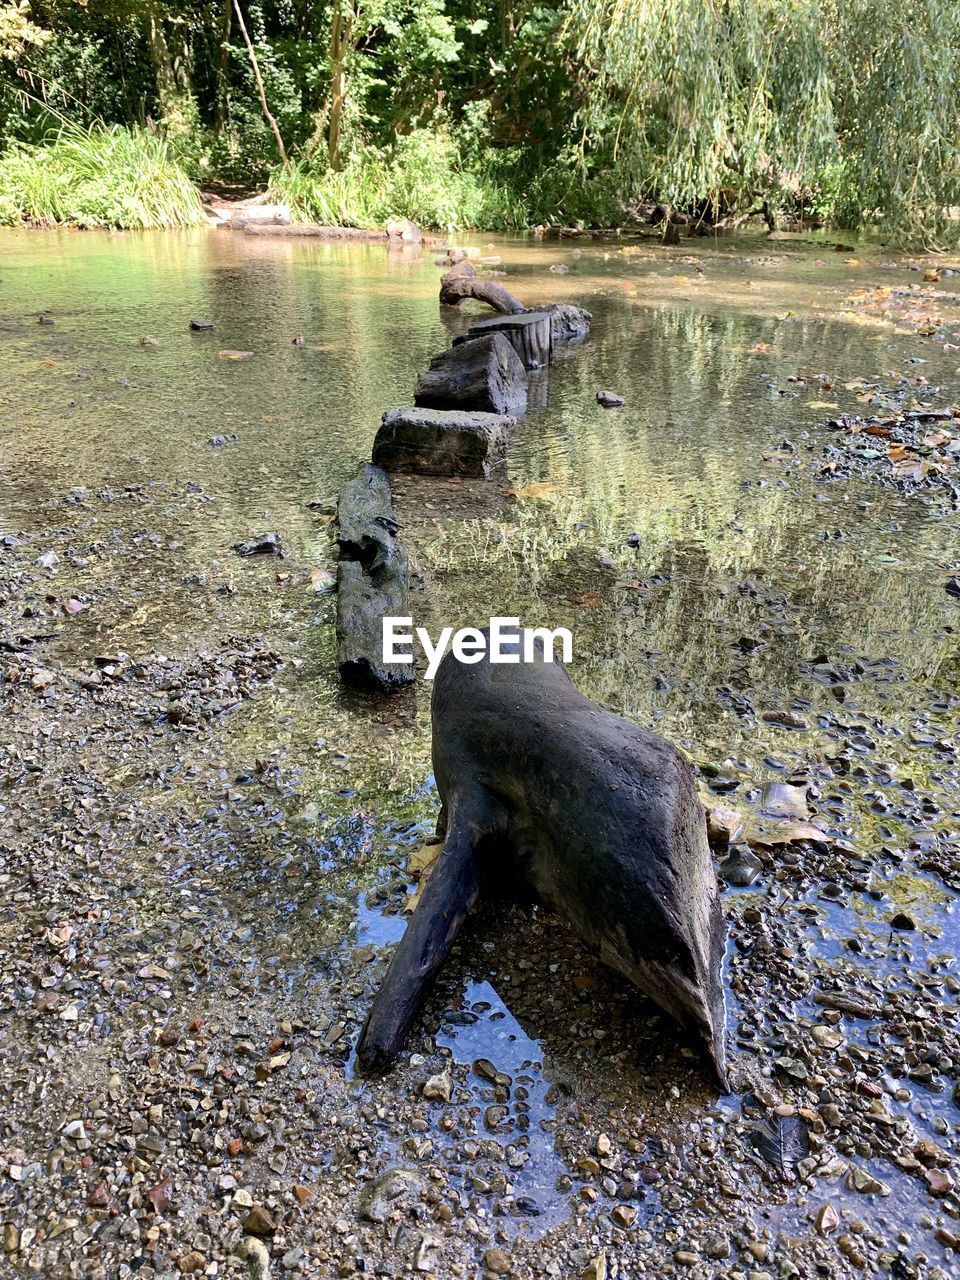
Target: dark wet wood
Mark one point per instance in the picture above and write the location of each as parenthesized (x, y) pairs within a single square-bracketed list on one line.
[(372, 581), (363, 601), (442, 442), (463, 282), (593, 815), (530, 335), (485, 374), (366, 524)]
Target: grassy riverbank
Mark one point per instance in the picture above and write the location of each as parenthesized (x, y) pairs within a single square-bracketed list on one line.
[(134, 179), (425, 179), (98, 177)]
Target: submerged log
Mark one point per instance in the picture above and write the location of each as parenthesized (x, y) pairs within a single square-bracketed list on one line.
[(463, 282), (595, 816), (442, 442), (363, 601), (366, 526), (529, 333), (485, 374), (372, 581)]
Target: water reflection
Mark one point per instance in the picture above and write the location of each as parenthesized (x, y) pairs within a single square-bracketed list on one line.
[(689, 540), (509, 1087)]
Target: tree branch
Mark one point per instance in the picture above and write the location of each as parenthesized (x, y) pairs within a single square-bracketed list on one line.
[(259, 79)]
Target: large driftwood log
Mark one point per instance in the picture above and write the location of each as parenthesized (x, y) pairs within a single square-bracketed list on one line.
[(312, 229), (529, 333), (594, 815), (462, 282), (485, 374), (372, 581)]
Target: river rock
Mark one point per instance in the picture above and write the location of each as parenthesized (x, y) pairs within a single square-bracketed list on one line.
[(403, 229), (568, 323), (277, 215), (863, 1181), (827, 1219), (262, 544), (826, 1037), (742, 867), (396, 1189), (485, 374), (497, 1262), (438, 1087), (257, 1257), (717, 1248), (442, 442), (259, 1222)]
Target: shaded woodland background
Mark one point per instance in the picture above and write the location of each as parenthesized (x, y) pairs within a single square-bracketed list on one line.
[(457, 114)]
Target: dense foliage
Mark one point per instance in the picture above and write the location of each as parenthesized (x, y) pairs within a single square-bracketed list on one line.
[(457, 114), (116, 177)]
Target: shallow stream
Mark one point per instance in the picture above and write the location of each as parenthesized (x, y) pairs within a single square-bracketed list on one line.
[(713, 572)]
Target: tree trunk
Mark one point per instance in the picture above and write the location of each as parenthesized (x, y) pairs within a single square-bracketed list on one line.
[(603, 825), (172, 75), (223, 71), (259, 79), (341, 32)]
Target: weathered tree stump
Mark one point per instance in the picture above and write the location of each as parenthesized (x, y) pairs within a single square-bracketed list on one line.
[(372, 581), (485, 374), (442, 442), (596, 817), (529, 333), (462, 282)]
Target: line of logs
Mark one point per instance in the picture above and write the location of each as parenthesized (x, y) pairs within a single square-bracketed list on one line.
[(465, 412), (373, 580)]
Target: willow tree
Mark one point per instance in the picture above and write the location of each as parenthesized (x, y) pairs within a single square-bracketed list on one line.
[(850, 105)]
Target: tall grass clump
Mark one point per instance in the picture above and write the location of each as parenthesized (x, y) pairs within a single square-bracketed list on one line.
[(98, 177), (424, 178)]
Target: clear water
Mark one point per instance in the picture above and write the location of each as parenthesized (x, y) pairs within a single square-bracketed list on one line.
[(739, 536)]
